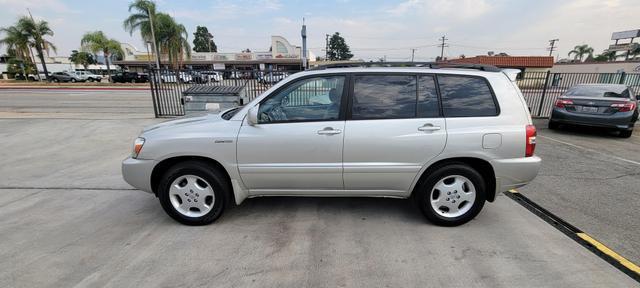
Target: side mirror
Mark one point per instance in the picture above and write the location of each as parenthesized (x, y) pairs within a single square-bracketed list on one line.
[(252, 116)]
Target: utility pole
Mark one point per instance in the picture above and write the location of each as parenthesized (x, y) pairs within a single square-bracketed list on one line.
[(413, 52), (552, 46), (443, 39), (326, 47)]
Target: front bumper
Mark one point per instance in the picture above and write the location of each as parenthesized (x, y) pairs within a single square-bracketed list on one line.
[(137, 172), (515, 172), (620, 120)]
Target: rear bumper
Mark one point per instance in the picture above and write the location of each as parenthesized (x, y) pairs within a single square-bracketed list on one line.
[(515, 172), (620, 120), (137, 172)]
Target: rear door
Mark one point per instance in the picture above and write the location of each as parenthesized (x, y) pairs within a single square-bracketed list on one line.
[(393, 130)]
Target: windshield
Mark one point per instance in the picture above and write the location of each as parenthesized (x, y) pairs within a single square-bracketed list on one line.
[(599, 91)]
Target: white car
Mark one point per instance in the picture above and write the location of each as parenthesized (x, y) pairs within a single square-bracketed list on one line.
[(212, 76), (170, 77), (449, 139), (88, 76)]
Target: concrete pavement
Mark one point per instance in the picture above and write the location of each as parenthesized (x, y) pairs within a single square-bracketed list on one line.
[(68, 220)]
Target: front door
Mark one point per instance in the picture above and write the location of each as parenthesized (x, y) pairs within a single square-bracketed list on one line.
[(296, 146), (394, 130)]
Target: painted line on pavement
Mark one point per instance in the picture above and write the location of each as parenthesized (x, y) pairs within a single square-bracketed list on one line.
[(591, 150), (627, 267)]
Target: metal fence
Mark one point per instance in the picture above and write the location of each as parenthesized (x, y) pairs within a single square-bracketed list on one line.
[(167, 85), (540, 89)]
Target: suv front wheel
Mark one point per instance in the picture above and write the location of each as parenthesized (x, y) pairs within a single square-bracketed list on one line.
[(451, 195), (193, 193)]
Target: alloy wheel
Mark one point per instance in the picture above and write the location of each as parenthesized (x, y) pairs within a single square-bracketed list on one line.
[(452, 196), (191, 196)]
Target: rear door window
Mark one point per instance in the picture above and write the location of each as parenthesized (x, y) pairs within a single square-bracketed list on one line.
[(466, 96), (384, 97)]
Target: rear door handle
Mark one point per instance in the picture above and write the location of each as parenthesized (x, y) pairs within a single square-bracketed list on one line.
[(329, 131), (428, 127)]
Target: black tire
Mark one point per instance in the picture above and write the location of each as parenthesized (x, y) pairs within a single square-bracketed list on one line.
[(553, 125), (73, 80), (422, 194), (221, 189), (625, 133), (90, 79)]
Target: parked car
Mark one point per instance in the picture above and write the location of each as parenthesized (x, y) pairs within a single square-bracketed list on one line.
[(272, 77), (129, 77), (65, 77), (612, 106), (37, 77), (449, 139), (88, 76), (212, 76), (170, 77)]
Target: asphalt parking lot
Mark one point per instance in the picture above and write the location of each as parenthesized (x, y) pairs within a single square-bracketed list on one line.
[(68, 219)]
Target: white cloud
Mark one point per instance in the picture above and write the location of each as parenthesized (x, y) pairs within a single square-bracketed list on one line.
[(459, 9), (20, 7)]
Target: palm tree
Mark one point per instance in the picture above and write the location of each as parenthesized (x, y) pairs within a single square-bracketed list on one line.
[(36, 31), (580, 51), (16, 40), (633, 53), (140, 19), (172, 39), (610, 55), (98, 42)]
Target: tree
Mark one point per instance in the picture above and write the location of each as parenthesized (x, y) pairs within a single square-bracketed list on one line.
[(633, 53), (580, 51), (143, 11), (82, 58), (36, 31), (98, 42), (17, 42), (246, 50), (171, 37), (203, 40), (338, 48)]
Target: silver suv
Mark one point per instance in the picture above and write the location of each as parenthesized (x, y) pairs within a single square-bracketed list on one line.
[(447, 138)]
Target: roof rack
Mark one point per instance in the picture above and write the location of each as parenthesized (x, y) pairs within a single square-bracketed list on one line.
[(432, 65)]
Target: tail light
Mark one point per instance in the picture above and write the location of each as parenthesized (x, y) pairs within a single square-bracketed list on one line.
[(560, 103), (624, 106), (530, 146)]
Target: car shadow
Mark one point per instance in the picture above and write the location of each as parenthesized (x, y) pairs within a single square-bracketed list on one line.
[(587, 131), (325, 207)]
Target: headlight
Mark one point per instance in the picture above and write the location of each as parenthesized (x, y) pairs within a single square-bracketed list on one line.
[(137, 147)]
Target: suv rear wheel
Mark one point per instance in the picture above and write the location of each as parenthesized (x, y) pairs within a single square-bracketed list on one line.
[(451, 195), (193, 193)]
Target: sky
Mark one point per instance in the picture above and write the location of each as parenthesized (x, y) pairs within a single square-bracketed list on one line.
[(373, 29)]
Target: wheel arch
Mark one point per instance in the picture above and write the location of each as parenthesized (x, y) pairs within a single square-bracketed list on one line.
[(162, 166), (482, 166)]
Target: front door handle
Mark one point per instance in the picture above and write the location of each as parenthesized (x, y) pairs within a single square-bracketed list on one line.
[(329, 131), (428, 127)]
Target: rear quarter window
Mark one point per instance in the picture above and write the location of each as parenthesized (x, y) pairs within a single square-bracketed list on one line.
[(466, 96)]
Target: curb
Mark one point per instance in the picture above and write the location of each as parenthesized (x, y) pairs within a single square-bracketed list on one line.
[(596, 247)]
